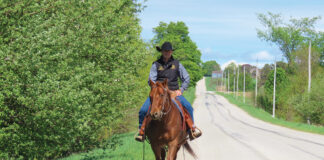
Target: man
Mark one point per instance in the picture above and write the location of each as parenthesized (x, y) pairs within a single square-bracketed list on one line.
[(167, 67)]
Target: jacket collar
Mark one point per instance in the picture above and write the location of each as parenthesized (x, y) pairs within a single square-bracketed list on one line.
[(162, 62)]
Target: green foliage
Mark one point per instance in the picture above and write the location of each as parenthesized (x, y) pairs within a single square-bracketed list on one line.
[(320, 42), (186, 51), (127, 150), (281, 81), (264, 73), (68, 70), (281, 84), (190, 94), (249, 81), (311, 106), (265, 116), (293, 102), (210, 66), (308, 105), (290, 37)]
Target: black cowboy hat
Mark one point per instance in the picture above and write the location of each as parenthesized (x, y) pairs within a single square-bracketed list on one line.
[(166, 46)]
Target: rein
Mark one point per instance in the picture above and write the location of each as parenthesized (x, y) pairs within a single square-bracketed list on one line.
[(164, 101), (163, 104)]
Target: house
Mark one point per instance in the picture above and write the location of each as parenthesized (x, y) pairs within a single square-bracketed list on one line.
[(217, 74)]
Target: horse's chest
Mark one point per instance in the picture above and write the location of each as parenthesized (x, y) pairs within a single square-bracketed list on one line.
[(164, 137)]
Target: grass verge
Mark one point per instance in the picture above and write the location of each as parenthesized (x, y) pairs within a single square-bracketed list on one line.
[(189, 94), (128, 149), (263, 115), (209, 85)]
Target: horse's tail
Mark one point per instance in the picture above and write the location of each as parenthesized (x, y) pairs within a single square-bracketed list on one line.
[(189, 149)]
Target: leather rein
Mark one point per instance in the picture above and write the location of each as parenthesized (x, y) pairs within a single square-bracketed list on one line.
[(164, 100)]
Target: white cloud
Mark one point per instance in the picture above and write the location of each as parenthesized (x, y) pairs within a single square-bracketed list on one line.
[(206, 50), (224, 65), (263, 56), (259, 64)]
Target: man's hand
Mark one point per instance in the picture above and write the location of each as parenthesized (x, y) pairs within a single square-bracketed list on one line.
[(179, 93)]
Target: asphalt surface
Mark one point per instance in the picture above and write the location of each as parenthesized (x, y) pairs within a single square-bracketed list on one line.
[(229, 133)]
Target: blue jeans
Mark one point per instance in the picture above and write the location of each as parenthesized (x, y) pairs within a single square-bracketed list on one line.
[(144, 109)]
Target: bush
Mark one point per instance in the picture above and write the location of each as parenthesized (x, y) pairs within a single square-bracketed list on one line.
[(68, 70), (311, 106)]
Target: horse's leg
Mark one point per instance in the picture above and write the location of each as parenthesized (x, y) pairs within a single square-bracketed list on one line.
[(157, 151), (173, 149), (172, 152), (163, 153)]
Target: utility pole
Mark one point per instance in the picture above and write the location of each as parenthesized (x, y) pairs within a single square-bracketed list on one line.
[(225, 84), (309, 74), (237, 82), (244, 85), (309, 67), (215, 83), (228, 81), (274, 90), (221, 83), (256, 84), (225, 79), (234, 81)]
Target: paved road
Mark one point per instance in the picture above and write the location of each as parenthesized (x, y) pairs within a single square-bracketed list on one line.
[(229, 133)]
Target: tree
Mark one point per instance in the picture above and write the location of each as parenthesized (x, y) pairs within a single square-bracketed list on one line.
[(288, 37), (210, 66), (281, 83), (281, 80), (249, 83), (319, 46), (68, 70), (186, 51), (264, 73)]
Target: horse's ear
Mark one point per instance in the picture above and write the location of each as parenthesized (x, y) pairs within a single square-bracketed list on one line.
[(151, 83), (165, 82)]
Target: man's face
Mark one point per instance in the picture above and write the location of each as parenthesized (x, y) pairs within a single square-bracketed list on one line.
[(167, 54)]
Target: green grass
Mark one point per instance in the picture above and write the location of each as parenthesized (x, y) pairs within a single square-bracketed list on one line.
[(129, 149), (209, 84), (265, 116), (189, 94)]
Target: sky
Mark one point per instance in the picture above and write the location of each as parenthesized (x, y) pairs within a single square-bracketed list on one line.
[(225, 30)]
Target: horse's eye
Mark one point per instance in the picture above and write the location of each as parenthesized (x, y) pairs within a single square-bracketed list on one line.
[(162, 95)]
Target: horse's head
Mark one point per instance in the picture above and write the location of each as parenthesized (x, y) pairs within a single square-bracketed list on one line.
[(159, 98)]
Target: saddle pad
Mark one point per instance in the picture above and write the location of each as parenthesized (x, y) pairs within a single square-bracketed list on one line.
[(182, 115)]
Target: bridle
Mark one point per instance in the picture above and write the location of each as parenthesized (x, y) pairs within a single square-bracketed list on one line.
[(164, 100)]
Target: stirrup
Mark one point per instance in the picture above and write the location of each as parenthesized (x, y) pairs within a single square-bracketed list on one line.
[(193, 135), (138, 137)]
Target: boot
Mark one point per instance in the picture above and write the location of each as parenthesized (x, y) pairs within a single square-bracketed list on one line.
[(195, 133), (140, 137)]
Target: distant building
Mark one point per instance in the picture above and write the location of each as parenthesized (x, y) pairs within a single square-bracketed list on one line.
[(251, 69), (217, 74)]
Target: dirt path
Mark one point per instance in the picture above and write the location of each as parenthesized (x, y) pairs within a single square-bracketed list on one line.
[(229, 133)]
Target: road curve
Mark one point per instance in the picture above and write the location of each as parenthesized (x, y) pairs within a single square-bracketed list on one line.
[(229, 133)]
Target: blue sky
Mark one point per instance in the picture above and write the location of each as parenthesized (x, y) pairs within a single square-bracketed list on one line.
[(225, 31)]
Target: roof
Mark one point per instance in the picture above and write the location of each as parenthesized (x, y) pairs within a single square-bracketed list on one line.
[(220, 72)]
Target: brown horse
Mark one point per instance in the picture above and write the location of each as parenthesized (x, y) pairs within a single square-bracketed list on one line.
[(165, 125)]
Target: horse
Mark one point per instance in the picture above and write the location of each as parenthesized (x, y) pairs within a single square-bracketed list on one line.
[(165, 126)]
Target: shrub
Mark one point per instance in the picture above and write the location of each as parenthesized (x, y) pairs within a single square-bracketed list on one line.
[(68, 69)]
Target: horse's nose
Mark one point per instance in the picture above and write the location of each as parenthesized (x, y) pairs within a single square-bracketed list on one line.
[(155, 115)]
